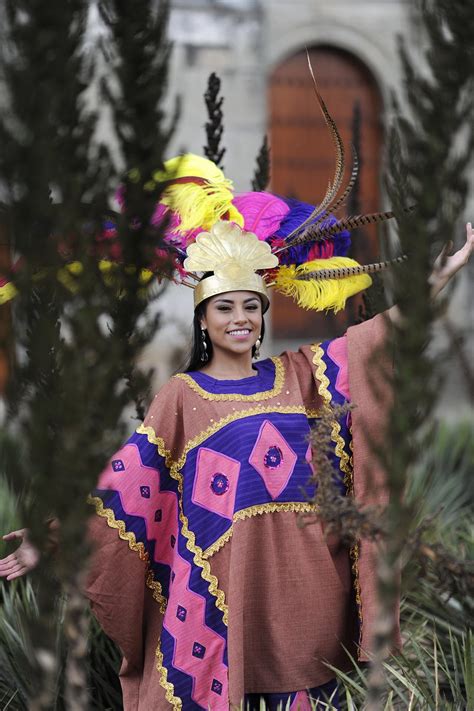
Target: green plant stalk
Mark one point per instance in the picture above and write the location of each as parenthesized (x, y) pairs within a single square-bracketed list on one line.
[(214, 125), (66, 397), (437, 185)]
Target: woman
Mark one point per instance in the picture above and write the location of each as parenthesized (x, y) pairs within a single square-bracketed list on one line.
[(201, 573)]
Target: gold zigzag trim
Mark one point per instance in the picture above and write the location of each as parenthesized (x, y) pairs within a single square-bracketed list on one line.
[(175, 701), (323, 389), (258, 509), (139, 548), (199, 559), (344, 463), (159, 441), (255, 397), (354, 552), (154, 585)]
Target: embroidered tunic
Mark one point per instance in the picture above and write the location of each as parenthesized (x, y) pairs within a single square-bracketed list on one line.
[(211, 588)]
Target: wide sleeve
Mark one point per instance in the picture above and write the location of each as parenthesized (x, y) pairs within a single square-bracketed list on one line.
[(356, 369), (132, 534), (370, 368)]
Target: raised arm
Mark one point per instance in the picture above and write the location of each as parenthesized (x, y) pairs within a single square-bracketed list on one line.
[(444, 269)]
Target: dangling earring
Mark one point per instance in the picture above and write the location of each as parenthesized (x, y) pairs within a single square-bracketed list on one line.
[(204, 353), (258, 343)]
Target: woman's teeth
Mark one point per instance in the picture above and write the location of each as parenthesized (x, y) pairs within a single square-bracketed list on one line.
[(240, 332)]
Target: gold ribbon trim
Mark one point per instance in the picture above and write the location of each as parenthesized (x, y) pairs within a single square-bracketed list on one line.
[(345, 462), (255, 397)]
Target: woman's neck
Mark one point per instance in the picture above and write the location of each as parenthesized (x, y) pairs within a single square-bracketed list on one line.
[(229, 366)]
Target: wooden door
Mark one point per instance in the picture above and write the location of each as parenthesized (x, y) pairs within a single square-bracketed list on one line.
[(303, 159)]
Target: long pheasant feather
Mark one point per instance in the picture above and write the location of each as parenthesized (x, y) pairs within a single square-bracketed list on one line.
[(335, 184), (320, 232), (344, 272), (332, 207)]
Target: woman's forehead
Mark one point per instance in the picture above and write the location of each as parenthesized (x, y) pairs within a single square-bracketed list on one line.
[(235, 297)]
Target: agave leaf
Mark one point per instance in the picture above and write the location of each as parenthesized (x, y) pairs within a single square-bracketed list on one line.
[(466, 658), (406, 681), (348, 681)]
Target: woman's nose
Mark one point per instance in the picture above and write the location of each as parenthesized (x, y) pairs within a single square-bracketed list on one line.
[(240, 316)]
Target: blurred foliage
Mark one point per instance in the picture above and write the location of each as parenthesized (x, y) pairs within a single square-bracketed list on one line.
[(215, 124), (77, 333), (262, 174), (436, 669), (426, 169)]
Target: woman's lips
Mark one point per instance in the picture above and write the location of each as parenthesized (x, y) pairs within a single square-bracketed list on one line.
[(239, 333)]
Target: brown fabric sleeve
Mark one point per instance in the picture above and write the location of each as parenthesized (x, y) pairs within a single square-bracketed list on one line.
[(116, 579), (116, 588), (303, 369), (165, 416), (370, 376)]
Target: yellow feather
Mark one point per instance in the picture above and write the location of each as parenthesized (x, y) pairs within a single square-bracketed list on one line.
[(198, 206), (324, 294), (7, 292), (190, 164)]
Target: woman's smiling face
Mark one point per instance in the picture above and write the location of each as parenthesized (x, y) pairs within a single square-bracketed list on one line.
[(233, 321)]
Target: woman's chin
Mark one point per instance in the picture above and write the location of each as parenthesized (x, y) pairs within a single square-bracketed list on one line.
[(238, 348)]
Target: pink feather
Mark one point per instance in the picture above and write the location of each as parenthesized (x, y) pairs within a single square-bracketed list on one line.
[(262, 212)]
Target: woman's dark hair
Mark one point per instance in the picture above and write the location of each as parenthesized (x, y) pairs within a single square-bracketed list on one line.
[(195, 361)]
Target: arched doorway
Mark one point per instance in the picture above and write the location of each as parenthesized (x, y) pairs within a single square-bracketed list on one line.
[(303, 158)]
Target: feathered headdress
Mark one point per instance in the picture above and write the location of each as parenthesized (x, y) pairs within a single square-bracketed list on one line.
[(303, 248), (219, 241)]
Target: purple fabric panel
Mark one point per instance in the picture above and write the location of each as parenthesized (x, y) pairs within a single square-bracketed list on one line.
[(263, 380), (237, 441)]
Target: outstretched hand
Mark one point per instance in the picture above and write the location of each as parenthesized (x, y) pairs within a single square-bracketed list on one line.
[(446, 267), (23, 560)]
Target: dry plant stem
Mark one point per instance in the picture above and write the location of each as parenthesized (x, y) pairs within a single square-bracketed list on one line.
[(340, 514), (343, 515), (48, 667), (45, 663), (76, 626), (65, 412), (427, 171), (397, 518)]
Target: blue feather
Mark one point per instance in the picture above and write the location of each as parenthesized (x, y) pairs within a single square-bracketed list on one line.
[(337, 245)]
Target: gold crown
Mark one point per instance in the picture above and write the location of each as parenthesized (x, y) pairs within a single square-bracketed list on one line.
[(234, 256)]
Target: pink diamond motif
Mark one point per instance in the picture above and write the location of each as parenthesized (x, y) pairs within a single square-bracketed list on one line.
[(273, 458), (215, 484)]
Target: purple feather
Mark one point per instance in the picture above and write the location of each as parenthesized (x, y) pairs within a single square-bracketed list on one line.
[(337, 245)]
